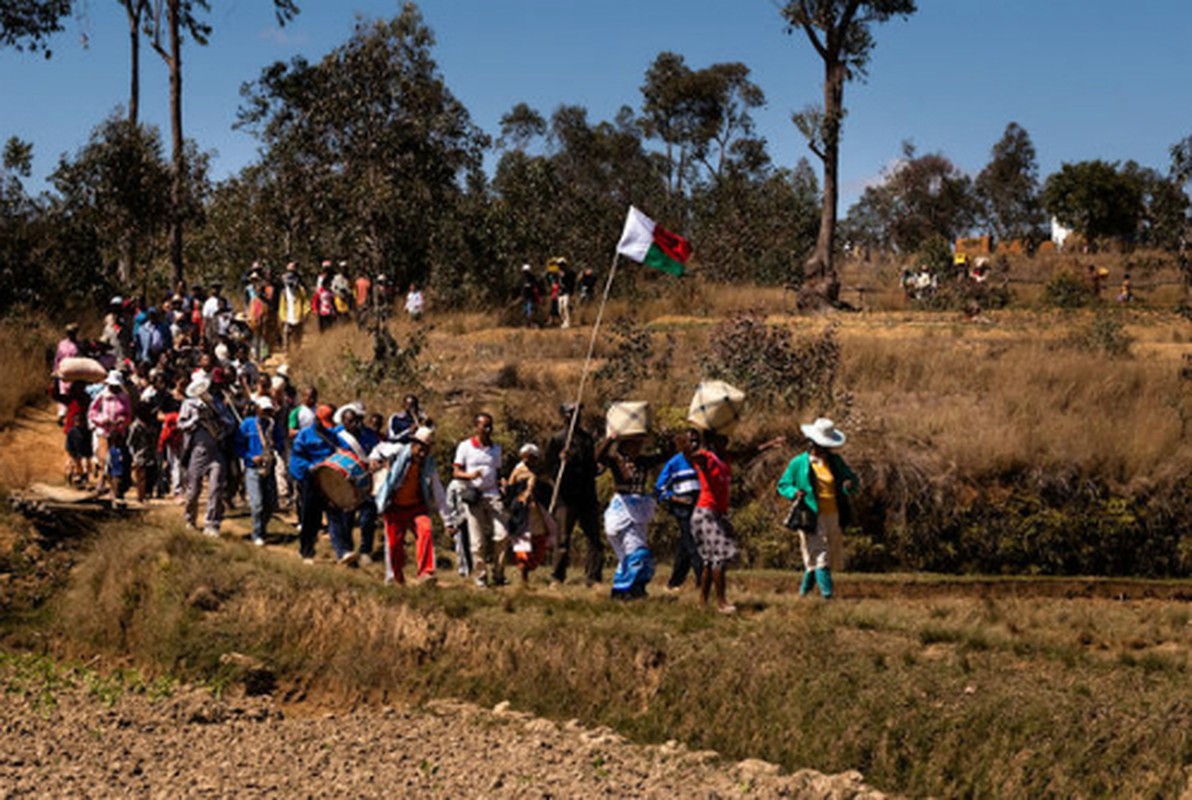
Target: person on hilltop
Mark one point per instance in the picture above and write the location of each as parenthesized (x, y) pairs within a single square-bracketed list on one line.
[(415, 302), (205, 422), (678, 486), (577, 501), (566, 290), (323, 300), (820, 478), (531, 293), (410, 490), (291, 307), (478, 461)]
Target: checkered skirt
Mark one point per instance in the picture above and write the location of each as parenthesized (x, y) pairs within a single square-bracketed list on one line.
[(714, 537)]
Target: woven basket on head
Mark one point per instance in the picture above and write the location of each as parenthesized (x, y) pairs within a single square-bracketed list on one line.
[(630, 418), (717, 406)]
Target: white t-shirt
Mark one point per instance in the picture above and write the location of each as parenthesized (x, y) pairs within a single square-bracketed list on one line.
[(470, 456), (212, 306)]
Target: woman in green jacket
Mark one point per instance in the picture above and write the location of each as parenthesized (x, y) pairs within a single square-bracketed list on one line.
[(820, 477)]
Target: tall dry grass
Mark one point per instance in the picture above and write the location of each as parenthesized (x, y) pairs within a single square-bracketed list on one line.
[(26, 346)]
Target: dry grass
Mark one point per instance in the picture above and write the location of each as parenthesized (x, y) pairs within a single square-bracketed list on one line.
[(23, 352), (944, 697)]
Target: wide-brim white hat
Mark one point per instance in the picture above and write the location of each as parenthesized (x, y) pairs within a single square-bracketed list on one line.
[(264, 401), (197, 388), (823, 432), (115, 378), (355, 406)]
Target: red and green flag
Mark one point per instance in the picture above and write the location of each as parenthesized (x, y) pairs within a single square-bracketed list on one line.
[(647, 242)]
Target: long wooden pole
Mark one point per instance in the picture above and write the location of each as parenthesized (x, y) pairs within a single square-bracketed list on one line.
[(583, 378)]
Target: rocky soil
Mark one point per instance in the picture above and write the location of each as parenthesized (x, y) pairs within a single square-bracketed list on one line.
[(63, 739)]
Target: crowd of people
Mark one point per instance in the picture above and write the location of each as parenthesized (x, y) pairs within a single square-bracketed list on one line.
[(187, 407)]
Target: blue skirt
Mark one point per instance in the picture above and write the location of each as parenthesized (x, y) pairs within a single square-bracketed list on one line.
[(633, 573)]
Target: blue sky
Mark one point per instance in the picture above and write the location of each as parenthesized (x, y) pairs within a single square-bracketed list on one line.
[(1086, 78)]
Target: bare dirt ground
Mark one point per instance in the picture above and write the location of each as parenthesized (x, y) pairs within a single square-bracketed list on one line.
[(65, 741)]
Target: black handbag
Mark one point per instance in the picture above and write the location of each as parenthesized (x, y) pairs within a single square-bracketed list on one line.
[(470, 495), (801, 517)]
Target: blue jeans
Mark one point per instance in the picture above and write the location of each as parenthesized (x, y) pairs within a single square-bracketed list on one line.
[(262, 498), (366, 518), (686, 556)]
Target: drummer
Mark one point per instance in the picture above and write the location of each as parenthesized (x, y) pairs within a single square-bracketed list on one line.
[(314, 444), (354, 436)]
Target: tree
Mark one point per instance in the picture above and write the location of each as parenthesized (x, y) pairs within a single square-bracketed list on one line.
[(1096, 200), (1163, 207), (919, 198), (366, 151), (699, 115), (28, 24), (118, 184), (172, 20), (839, 31), (1008, 187)]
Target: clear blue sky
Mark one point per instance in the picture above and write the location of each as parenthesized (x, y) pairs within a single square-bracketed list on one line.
[(1086, 78)]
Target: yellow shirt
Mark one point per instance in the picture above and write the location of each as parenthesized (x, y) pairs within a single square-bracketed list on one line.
[(825, 487)]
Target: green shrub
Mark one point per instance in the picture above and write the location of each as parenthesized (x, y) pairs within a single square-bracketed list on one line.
[(1067, 290)]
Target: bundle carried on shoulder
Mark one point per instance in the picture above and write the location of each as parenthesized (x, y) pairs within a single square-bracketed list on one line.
[(716, 406), (77, 368)]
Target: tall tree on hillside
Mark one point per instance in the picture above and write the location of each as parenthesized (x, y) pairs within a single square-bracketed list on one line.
[(1095, 199), (28, 24), (839, 30), (370, 144), (1008, 187), (169, 22), (134, 12)]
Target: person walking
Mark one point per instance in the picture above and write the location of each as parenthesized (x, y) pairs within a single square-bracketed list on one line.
[(204, 420), (411, 489), (108, 417), (531, 528), (478, 461), (678, 487), (577, 501), (627, 518), (312, 445), (258, 442), (820, 478)]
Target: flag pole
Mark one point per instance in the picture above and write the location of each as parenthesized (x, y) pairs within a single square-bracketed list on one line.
[(583, 377)]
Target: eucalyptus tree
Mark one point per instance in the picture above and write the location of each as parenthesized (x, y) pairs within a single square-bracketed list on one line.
[(840, 33)]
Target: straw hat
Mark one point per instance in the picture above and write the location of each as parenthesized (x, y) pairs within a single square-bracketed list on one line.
[(823, 432)]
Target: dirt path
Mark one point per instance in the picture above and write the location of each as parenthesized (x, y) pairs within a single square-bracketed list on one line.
[(61, 739)]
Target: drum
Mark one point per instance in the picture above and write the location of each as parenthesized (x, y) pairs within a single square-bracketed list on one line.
[(343, 479), (76, 368)]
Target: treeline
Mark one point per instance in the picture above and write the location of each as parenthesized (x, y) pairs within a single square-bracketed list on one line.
[(368, 157)]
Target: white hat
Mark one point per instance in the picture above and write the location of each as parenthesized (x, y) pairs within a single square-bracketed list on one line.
[(529, 450), (221, 351), (198, 387), (264, 401), (278, 383), (115, 378), (424, 435), (356, 406), (526, 268), (823, 432), (284, 370)]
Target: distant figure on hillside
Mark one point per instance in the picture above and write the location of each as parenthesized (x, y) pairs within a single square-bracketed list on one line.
[(819, 478), (415, 302), (1096, 281), (531, 293), (587, 285), (1126, 295), (566, 290)]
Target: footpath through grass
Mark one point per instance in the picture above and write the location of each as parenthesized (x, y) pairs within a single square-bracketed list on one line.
[(950, 696)]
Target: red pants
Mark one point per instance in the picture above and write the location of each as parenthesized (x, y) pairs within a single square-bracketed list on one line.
[(397, 522)]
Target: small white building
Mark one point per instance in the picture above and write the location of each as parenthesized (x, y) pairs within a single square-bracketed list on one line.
[(1059, 234)]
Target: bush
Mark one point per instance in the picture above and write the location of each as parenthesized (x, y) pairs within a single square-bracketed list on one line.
[(1068, 290), (770, 365), (1103, 335)]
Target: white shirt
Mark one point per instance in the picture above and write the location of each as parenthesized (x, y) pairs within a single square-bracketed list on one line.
[(212, 307), (414, 303), (470, 456)]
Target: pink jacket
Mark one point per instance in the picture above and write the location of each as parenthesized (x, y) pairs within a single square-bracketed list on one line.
[(110, 412)]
